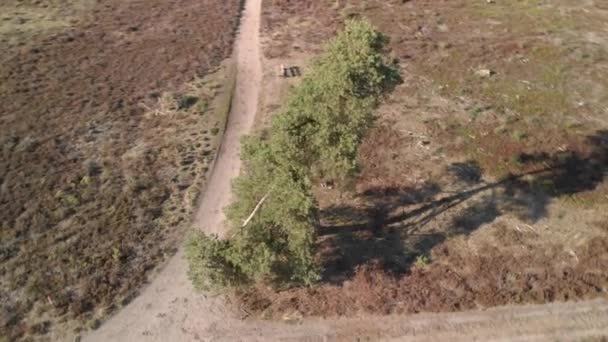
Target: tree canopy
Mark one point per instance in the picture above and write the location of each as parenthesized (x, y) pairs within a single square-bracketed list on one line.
[(315, 136)]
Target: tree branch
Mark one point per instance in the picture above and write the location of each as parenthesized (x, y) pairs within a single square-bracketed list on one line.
[(255, 210)]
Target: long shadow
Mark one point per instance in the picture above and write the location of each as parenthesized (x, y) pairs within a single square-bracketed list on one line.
[(393, 217)]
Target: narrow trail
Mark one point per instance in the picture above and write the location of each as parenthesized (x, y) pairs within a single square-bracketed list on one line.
[(170, 310)]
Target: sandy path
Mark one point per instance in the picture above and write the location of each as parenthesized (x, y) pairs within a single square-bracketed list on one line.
[(549, 322), (169, 309)]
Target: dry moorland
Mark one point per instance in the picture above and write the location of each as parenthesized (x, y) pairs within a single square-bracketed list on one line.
[(110, 115), (483, 182)]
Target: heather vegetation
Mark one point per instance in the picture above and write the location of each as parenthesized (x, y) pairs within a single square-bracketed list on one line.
[(108, 125)]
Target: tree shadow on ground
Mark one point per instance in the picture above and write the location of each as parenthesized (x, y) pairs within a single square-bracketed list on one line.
[(389, 227)]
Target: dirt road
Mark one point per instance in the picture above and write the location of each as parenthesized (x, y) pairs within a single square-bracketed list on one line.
[(170, 310)]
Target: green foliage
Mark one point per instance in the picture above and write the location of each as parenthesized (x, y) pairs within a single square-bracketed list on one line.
[(209, 268), (315, 135), (422, 261), (328, 114)]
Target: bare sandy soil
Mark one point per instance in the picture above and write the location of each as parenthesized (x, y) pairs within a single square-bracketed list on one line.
[(552, 322), (169, 309)]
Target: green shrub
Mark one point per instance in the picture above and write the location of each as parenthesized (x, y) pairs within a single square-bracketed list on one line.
[(422, 261), (209, 268), (316, 135)]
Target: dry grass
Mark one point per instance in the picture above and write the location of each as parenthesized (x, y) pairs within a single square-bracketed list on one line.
[(463, 169), (21, 21), (102, 155), (116, 222)]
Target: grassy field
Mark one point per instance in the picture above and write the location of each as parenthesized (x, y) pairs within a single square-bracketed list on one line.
[(111, 113), (483, 182)]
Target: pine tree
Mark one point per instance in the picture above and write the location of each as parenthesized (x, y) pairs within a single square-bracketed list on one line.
[(315, 136)]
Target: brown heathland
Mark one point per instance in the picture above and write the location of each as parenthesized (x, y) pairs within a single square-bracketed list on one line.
[(483, 182), (107, 129)]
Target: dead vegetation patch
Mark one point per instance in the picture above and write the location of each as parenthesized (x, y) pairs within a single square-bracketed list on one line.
[(457, 243), (457, 281)]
